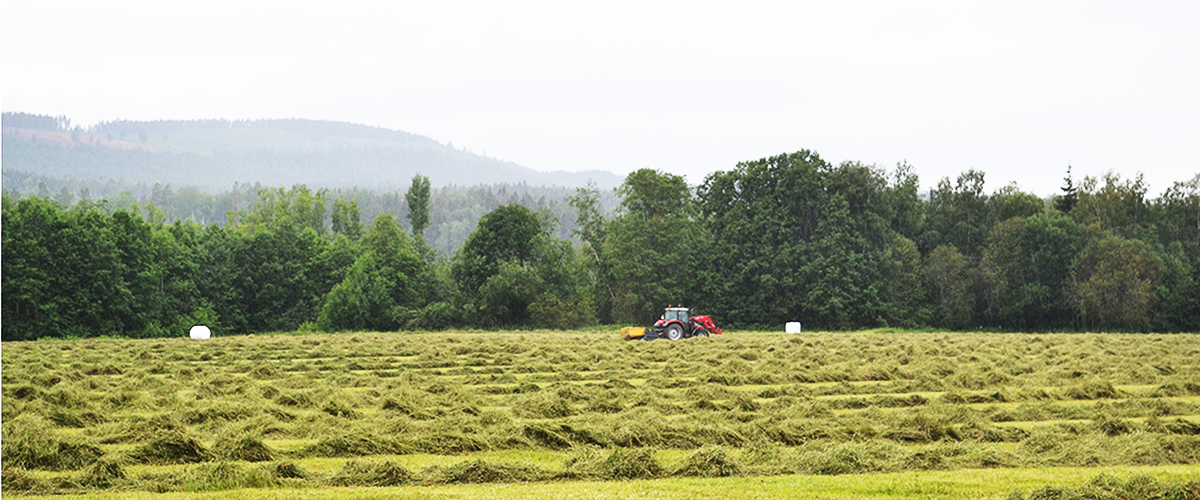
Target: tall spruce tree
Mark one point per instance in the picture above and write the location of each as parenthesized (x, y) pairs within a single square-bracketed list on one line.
[(1066, 201)]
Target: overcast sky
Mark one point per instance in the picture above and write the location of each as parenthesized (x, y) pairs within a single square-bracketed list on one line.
[(1018, 90)]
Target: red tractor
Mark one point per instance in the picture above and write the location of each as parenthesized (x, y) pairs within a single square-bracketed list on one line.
[(675, 324)]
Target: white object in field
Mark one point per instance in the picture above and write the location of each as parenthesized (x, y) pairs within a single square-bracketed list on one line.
[(200, 332), (792, 327)]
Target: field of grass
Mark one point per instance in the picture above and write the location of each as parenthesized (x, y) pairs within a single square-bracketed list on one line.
[(541, 414)]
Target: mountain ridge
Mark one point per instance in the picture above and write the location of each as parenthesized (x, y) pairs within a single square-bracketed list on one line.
[(214, 154)]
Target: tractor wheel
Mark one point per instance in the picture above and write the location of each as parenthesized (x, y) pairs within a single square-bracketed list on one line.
[(700, 332), (674, 332)]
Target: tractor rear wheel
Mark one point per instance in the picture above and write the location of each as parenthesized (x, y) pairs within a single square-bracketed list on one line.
[(674, 332)]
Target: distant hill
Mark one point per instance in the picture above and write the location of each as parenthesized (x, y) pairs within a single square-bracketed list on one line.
[(214, 154)]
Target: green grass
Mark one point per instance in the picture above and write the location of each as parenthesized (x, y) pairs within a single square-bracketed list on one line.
[(960, 484)]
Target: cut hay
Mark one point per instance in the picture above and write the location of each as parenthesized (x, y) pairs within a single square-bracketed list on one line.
[(18, 479), (372, 473), (286, 470), (356, 446), (635, 463), (709, 461), (542, 405), (246, 447), (448, 442), (1092, 390), (29, 442), (339, 409), (585, 462), (226, 476), (407, 406), (24, 393), (546, 436), (77, 420), (138, 429), (218, 412), (621, 463), (171, 448), (483, 471), (102, 474), (1106, 486)]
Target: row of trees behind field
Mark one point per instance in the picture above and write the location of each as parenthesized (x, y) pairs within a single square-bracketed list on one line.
[(788, 238), (455, 210)]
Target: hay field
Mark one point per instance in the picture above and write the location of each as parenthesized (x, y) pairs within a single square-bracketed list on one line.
[(429, 410)]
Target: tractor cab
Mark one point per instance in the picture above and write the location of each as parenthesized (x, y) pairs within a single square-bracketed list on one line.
[(675, 314)]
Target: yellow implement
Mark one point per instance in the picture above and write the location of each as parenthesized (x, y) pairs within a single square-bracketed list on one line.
[(633, 332)]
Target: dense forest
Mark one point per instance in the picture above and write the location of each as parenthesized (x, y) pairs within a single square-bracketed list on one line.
[(455, 210), (214, 154), (787, 238)]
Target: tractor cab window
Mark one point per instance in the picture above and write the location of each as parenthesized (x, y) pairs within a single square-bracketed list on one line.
[(679, 314)]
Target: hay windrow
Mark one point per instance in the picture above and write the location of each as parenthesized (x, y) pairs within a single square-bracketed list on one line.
[(709, 461), (170, 448), (1106, 486), (102, 474), (245, 447), (29, 442), (221, 476), (372, 473), (14, 478), (286, 470), (635, 463), (483, 471)]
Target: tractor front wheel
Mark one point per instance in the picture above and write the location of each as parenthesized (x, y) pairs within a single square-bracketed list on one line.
[(700, 332), (674, 332)]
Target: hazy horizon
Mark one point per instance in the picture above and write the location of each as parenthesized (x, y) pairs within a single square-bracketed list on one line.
[(1016, 90)]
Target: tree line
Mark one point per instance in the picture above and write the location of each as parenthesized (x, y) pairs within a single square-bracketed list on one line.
[(786, 238), (455, 210)]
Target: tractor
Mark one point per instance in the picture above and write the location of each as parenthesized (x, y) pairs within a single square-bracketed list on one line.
[(674, 324)]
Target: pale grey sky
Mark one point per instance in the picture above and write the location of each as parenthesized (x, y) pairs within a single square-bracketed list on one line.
[(1015, 89)]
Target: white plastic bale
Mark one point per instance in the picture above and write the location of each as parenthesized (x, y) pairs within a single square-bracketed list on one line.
[(200, 332), (792, 327)]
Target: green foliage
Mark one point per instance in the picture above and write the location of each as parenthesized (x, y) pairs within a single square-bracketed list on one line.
[(346, 218), (509, 264), (794, 237), (1118, 206), (950, 280), (1026, 265), (592, 230), (650, 246), (1070, 196), (785, 238), (383, 285), (418, 205), (1114, 284), (958, 215), (505, 234)]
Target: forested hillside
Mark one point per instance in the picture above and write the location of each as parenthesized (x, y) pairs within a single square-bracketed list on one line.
[(787, 238), (212, 155)]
